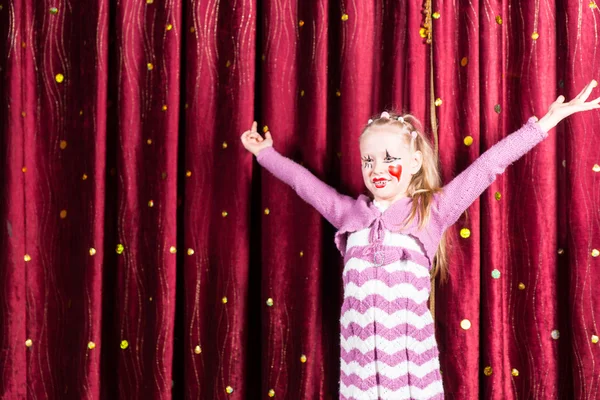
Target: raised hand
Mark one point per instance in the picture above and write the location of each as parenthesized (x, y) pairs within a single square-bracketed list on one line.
[(559, 110), (253, 142)]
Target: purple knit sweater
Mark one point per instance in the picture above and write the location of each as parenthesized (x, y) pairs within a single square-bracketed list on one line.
[(348, 215)]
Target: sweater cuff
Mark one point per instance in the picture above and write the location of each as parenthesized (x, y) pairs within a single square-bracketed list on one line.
[(264, 152), (538, 129)]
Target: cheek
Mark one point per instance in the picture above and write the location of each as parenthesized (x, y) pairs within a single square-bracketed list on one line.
[(395, 170)]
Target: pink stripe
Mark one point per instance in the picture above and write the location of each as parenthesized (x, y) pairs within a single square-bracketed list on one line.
[(389, 383), (389, 278), (354, 329), (390, 254), (390, 359), (372, 300)]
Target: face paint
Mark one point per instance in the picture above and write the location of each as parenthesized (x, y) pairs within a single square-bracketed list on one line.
[(395, 170)]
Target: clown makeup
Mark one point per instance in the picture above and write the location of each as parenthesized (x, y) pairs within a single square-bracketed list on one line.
[(387, 164)]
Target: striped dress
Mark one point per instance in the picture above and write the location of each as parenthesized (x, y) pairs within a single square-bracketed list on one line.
[(388, 346)]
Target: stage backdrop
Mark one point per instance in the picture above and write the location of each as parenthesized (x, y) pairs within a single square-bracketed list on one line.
[(145, 255)]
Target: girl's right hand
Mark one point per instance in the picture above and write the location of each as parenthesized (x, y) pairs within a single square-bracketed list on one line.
[(253, 142)]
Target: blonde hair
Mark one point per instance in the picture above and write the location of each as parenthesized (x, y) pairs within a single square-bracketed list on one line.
[(423, 185)]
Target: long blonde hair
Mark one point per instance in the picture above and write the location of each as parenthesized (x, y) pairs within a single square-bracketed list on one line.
[(423, 185)]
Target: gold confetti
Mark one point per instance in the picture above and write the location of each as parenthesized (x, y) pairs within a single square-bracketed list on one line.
[(63, 144), (423, 32), (224, 214), (197, 350), (535, 35), (169, 27), (164, 107), (487, 371), (301, 254), (436, 15), (497, 196), (23, 114), (120, 248), (498, 20), (59, 78), (228, 64), (92, 251), (80, 112), (344, 17), (302, 93), (468, 140), (594, 339), (497, 108), (465, 233), (438, 102), (149, 1), (53, 10), (23, 44), (27, 257), (596, 168), (338, 93), (302, 358), (91, 345), (465, 324), (595, 253), (224, 145), (29, 343), (464, 61), (150, 66), (270, 302), (561, 251), (521, 286), (300, 23), (267, 211), (1, 7), (555, 334), (149, 141), (229, 389), (271, 393), (188, 173), (151, 203), (173, 249), (514, 372), (265, 129), (163, 175), (224, 300), (592, 5), (84, 177), (192, 29), (24, 169), (63, 214), (124, 344), (190, 252)]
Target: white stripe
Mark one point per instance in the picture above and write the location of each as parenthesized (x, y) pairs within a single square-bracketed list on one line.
[(361, 238), (391, 372), (434, 388), (400, 265), (355, 393), (391, 347), (374, 286), (374, 314)]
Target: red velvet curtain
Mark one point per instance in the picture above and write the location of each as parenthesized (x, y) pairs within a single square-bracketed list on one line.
[(144, 253)]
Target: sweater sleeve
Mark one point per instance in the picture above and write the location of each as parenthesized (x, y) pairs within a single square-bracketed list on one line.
[(465, 188), (325, 199)]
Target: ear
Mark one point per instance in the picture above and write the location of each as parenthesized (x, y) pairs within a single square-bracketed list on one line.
[(416, 162)]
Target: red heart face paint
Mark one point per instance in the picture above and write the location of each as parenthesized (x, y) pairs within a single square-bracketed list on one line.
[(395, 170)]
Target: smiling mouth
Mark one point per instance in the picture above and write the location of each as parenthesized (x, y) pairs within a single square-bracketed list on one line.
[(380, 183)]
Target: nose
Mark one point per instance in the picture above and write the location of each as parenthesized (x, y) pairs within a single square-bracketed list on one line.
[(379, 168)]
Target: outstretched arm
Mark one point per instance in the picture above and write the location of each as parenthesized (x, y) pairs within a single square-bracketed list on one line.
[(463, 190), (325, 199)]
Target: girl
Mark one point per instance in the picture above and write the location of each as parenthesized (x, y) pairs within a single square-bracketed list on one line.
[(392, 242)]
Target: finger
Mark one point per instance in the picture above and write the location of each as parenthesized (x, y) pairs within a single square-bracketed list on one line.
[(560, 99), (587, 90), (268, 135), (254, 125)]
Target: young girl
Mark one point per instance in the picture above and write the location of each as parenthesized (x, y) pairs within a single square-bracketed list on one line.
[(391, 242)]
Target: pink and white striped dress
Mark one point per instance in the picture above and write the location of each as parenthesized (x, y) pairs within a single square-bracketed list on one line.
[(388, 346)]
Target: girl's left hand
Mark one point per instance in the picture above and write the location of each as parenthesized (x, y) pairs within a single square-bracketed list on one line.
[(559, 110)]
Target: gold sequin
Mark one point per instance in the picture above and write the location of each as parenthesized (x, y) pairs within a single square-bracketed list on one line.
[(592, 5), (468, 140), (497, 196), (498, 20), (224, 214), (197, 350), (27, 257), (300, 23), (270, 302), (465, 324), (84, 177), (302, 93), (80, 112), (120, 248), (228, 64), (302, 358), (535, 35), (150, 203), (24, 169), (423, 32), (149, 141), (150, 66), (63, 144), (344, 17), (596, 168), (91, 345), (164, 107), (594, 339), (464, 61), (465, 233), (224, 145), (301, 254), (190, 252), (169, 27), (1, 7), (23, 114), (521, 286), (149, 1), (271, 393), (595, 253), (92, 251), (514, 372), (188, 173), (229, 389), (173, 249), (561, 251), (436, 15), (63, 214), (487, 371), (192, 29), (265, 129), (224, 300), (23, 44), (53, 10), (29, 343), (124, 344), (59, 78), (267, 211), (164, 175), (438, 102)]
